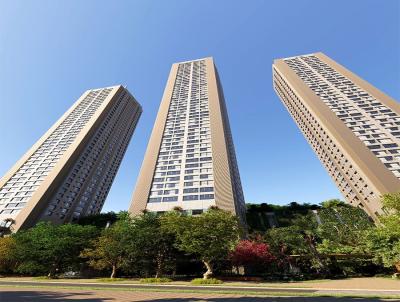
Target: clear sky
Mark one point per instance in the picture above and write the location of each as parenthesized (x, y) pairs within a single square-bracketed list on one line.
[(52, 51)]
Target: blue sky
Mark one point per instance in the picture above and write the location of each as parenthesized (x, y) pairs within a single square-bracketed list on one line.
[(52, 51)]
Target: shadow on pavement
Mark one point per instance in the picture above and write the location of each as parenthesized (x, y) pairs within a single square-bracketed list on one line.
[(46, 296), (270, 299)]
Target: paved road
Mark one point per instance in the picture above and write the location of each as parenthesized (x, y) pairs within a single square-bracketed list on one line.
[(178, 288), (11, 294)]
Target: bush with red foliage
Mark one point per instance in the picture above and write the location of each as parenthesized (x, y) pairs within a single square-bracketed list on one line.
[(252, 254)]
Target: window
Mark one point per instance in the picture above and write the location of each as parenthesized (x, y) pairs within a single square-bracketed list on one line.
[(207, 196), (173, 172), (174, 191), (207, 189), (155, 199), (170, 198), (191, 197)]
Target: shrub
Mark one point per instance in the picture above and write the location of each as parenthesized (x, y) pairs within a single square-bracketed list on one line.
[(155, 280), (43, 278), (111, 279), (7, 248), (253, 254), (201, 281)]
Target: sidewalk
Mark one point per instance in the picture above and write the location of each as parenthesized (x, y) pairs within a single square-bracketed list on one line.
[(372, 283), (12, 294), (382, 287)]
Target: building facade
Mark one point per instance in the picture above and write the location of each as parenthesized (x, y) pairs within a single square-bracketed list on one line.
[(190, 159), (68, 173), (353, 127)]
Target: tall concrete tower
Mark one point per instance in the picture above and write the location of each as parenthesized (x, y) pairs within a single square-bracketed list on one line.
[(353, 127), (69, 171), (190, 160)]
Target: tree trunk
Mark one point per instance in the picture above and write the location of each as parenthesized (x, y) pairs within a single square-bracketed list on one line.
[(52, 272), (209, 271), (174, 270), (396, 275), (160, 262), (114, 271), (310, 240), (397, 266)]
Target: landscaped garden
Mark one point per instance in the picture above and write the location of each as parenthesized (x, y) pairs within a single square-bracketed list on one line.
[(281, 243)]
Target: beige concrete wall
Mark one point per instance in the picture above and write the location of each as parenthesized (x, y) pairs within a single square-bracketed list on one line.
[(29, 215), (223, 190), (144, 181), (224, 197), (373, 171)]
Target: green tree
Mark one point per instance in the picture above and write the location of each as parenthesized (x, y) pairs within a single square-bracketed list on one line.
[(286, 240), (209, 236), (261, 217), (133, 244), (111, 249), (299, 238), (342, 228), (384, 240), (48, 248), (333, 203), (7, 259), (100, 220), (153, 243)]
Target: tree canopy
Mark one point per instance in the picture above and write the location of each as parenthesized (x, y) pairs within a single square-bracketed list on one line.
[(111, 249), (48, 248), (137, 244), (384, 240), (342, 228), (253, 254), (210, 236), (7, 259), (332, 238)]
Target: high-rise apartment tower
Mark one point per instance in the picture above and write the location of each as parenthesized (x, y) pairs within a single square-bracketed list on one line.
[(68, 173), (353, 127), (190, 160)]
